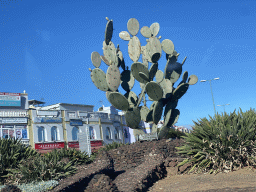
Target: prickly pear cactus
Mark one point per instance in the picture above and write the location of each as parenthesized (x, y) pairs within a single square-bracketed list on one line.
[(161, 91)]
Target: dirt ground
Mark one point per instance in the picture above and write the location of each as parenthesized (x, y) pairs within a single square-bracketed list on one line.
[(243, 180)]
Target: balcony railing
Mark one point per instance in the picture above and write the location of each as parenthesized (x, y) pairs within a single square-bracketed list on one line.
[(104, 116), (13, 113)]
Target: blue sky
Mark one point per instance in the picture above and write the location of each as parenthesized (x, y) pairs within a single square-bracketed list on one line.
[(46, 49)]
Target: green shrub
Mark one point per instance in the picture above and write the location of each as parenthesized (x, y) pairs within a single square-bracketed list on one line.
[(175, 133), (12, 152), (222, 144)]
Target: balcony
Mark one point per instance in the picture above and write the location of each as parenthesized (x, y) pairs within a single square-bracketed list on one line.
[(94, 116)]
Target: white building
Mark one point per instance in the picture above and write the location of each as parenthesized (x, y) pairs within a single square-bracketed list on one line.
[(14, 116)]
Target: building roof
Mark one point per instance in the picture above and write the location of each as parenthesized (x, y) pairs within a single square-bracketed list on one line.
[(71, 104), (35, 102)]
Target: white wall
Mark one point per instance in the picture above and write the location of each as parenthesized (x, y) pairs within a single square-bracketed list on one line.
[(47, 133), (112, 129)]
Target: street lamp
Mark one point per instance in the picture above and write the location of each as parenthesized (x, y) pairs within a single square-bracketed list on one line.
[(211, 91), (224, 106)]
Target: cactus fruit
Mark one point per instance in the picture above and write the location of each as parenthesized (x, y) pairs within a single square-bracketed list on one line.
[(161, 92)]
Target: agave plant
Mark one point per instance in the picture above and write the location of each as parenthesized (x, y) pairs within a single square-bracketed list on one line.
[(222, 144), (12, 152)]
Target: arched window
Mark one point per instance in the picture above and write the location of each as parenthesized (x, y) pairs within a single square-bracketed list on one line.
[(41, 134), (74, 134), (108, 134), (54, 133), (92, 133), (116, 133)]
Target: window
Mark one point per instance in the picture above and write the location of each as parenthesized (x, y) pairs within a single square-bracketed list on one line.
[(108, 134), (116, 133), (74, 134), (54, 133), (71, 114), (92, 133), (41, 134)]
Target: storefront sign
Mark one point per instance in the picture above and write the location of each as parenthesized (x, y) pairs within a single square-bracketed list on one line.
[(96, 143), (44, 146), (47, 120), (10, 99), (73, 144), (13, 120), (47, 113), (76, 122)]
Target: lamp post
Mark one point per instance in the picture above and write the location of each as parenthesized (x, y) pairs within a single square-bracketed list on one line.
[(224, 106), (211, 91)]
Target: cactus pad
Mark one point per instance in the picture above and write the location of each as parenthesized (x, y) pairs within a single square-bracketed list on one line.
[(167, 46), (153, 46), (96, 60), (192, 80), (170, 105), (180, 91), (132, 98), (113, 77), (134, 48), (99, 79), (103, 58), (144, 76), (171, 117), (133, 26), (118, 101), (108, 31), (155, 57), (136, 68), (127, 80), (109, 52), (154, 91), (155, 27), (125, 35), (144, 112), (132, 117), (149, 118), (173, 70), (145, 32), (152, 71), (158, 110), (166, 84), (141, 95), (159, 76)]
